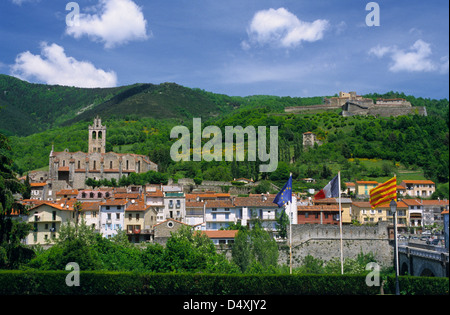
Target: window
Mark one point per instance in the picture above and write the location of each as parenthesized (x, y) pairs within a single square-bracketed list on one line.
[(130, 216), (214, 209), (118, 216), (137, 216), (109, 216), (54, 216), (306, 215), (227, 216), (110, 165), (214, 216)]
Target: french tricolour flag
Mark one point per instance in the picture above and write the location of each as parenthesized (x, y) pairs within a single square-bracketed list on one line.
[(331, 190)]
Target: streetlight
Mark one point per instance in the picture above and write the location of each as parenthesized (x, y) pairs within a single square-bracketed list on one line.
[(393, 206)]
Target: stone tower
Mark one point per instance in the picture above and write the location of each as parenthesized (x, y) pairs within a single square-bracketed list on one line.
[(97, 137)]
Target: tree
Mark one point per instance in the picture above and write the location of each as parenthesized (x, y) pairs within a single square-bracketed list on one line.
[(282, 224), (12, 253), (254, 247)]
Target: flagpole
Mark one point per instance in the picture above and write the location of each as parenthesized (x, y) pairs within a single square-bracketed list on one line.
[(340, 222), (290, 233)]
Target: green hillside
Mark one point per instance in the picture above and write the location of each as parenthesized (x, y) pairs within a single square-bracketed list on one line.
[(27, 108), (140, 117)]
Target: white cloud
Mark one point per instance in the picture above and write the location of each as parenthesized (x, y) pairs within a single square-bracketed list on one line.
[(414, 59), (281, 28), (112, 22), (53, 66)]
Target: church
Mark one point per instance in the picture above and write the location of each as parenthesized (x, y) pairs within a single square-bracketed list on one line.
[(69, 170)]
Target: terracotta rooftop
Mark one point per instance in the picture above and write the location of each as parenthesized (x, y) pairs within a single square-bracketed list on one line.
[(221, 233)]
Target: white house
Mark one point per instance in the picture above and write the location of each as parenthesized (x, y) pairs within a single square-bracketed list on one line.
[(112, 213), (219, 214)]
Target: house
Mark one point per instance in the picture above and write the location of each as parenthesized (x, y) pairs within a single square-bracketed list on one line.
[(138, 220), (401, 191), (363, 213), (155, 199), (262, 208), (195, 212), (174, 206), (39, 191), (432, 211), (415, 212), (363, 188), (222, 236), (94, 195), (219, 214), (402, 216), (318, 214), (112, 214), (346, 207), (90, 213), (46, 220), (66, 194), (351, 189), (419, 188), (163, 230)]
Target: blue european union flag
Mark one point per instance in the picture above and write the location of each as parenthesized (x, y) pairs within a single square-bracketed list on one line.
[(285, 195)]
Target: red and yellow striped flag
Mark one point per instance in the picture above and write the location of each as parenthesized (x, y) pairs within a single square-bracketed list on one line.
[(384, 193)]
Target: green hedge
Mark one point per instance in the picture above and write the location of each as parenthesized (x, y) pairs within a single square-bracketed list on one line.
[(113, 283)]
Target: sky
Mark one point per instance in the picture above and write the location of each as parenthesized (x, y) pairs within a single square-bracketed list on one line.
[(296, 48)]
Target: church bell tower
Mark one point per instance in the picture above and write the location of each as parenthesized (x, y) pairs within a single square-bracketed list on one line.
[(97, 137)]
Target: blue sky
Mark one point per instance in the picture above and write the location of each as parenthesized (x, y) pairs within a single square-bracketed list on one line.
[(245, 47)]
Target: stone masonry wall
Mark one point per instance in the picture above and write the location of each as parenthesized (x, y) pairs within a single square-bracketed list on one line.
[(323, 242)]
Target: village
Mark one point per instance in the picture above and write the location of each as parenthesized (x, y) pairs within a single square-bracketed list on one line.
[(149, 213)]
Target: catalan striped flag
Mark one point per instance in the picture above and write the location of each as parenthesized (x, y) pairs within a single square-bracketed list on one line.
[(384, 193)]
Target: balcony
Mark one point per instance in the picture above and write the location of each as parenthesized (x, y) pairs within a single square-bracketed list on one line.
[(133, 229)]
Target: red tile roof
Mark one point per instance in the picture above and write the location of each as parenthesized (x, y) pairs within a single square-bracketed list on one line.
[(221, 233)]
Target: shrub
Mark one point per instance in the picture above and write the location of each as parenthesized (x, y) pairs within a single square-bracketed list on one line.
[(130, 283)]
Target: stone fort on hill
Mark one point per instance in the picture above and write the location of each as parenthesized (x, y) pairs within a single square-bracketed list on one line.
[(353, 104)]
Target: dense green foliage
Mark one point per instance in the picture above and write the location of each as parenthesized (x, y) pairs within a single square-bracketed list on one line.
[(29, 108), (127, 283), (12, 252)]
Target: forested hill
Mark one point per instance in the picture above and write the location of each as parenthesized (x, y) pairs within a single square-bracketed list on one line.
[(27, 108)]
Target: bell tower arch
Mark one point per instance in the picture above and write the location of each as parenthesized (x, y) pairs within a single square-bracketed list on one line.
[(97, 136)]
